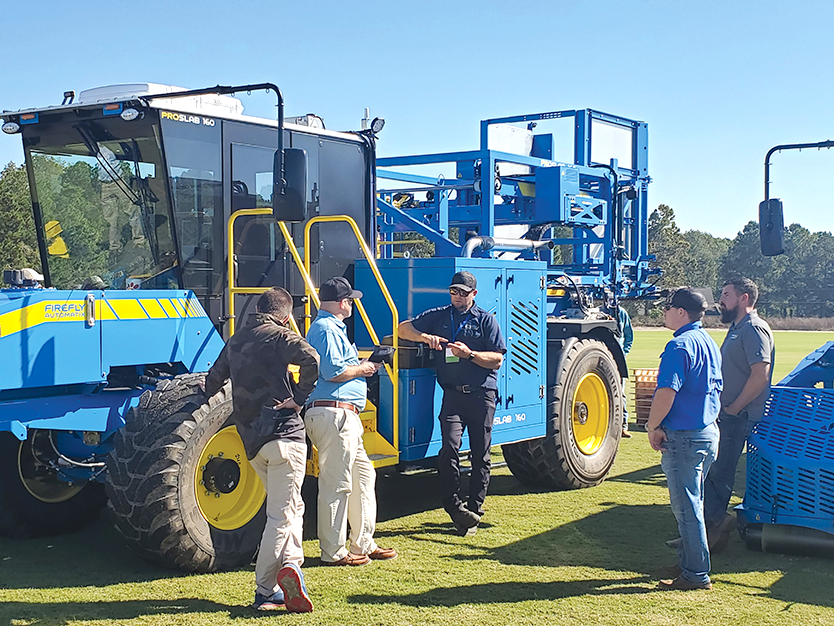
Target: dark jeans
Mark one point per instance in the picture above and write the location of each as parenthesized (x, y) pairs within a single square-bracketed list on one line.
[(686, 459), (734, 431), (473, 411)]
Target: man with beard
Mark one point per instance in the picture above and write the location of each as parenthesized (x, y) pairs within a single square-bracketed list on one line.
[(747, 354), (473, 352), (747, 361)]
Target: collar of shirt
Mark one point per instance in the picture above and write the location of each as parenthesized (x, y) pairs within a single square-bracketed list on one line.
[(333, 319), (689, 326), (744, 319)]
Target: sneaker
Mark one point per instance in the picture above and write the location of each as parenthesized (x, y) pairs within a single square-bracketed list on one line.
[(291, 581), (626, 434), (465, 521), (681, 584), (269, 603), (476, 510)]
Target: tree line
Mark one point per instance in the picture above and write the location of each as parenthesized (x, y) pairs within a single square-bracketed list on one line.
[(799, 283)]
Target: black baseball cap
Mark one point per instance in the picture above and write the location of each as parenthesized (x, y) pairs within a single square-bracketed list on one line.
[(688, 299), (337, 289), (464, 280)]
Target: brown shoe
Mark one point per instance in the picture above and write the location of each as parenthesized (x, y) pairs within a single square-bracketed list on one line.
[(349, 559), (382, 554), (626, 434), (681, 584)]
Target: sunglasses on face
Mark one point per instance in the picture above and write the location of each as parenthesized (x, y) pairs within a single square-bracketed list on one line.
[(457, 292)]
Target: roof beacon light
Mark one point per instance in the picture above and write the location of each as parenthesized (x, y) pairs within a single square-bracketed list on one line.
[(10, 128), (128, 115)]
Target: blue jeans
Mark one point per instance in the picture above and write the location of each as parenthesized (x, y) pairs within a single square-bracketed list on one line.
[(722, 475), (687, 456)]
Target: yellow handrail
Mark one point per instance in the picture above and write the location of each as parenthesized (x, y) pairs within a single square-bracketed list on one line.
[(230, 264), (392, 371)]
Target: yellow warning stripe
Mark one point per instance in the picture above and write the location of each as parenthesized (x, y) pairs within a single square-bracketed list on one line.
[(47, 311)]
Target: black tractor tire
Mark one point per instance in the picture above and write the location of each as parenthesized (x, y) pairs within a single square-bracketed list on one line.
[(558, 460), (151, 482), (24, 515)]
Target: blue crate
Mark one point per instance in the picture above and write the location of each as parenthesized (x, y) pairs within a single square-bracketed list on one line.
[(790, 461)]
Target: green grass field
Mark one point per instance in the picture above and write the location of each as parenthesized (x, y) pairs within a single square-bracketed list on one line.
[(580, 557)]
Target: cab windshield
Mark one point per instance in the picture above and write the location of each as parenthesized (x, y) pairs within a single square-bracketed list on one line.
[(100, 187)]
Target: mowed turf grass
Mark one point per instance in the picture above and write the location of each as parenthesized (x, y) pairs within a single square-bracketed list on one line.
[(577, 557)]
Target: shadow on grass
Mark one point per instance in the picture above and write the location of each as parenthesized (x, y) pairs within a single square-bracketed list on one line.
[(60, 614), (95, 556), (510, 592)]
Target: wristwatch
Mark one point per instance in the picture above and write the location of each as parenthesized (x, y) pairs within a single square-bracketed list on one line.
[(471, 356), (651, 430)]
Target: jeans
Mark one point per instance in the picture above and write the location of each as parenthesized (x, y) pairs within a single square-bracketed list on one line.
[(281, 466), (687, 456), (722, 475), (473, 411), (347, 483)]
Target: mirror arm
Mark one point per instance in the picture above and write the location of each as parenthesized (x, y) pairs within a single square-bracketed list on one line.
[(788, 146), (231, 90)]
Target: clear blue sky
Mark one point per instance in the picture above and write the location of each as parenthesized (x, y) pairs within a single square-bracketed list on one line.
[(719, 82)]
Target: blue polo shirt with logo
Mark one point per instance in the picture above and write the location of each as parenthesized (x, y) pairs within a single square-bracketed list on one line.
[(476, 328), (691, 366)]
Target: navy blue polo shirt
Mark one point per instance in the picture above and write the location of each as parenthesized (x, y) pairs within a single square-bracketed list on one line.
[(691, 366), (476, 328)]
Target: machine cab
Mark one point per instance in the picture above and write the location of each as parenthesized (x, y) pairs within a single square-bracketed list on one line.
[(136, 193)]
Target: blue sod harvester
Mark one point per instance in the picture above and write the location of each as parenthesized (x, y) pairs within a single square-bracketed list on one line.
[(161, 214)]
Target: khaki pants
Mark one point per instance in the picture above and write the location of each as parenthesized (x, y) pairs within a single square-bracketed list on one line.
[(281, 466), (347, 481)]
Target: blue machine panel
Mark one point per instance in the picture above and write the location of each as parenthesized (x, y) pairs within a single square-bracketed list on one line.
[(790, 455), (513, 291), (46, 341)]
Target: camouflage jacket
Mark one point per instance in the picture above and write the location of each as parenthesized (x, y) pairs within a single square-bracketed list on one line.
[(256, 359)]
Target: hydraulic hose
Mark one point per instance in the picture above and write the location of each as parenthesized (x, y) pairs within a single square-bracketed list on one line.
[(500, 243)]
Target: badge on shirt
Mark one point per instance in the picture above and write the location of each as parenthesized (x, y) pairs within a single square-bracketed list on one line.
[(450, 357)]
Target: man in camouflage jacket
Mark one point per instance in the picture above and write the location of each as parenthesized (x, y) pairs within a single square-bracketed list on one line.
[(265, 403)]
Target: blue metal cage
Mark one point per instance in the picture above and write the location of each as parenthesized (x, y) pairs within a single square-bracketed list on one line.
[(790, 461)]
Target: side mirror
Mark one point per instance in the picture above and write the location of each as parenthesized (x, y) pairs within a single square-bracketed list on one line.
[(290, 203), (772, 227)]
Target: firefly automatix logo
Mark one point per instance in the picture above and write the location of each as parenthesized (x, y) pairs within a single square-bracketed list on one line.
[(66, 311)]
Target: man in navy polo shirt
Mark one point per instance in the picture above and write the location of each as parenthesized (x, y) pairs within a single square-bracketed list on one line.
[(682, 426), (473, 350)]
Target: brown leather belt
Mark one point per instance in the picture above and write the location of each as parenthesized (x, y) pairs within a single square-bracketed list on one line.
[(335, 404)]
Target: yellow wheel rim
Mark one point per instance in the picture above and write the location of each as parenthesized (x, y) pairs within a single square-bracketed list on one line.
[(589, 413), (228, 497), (46, 488)]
